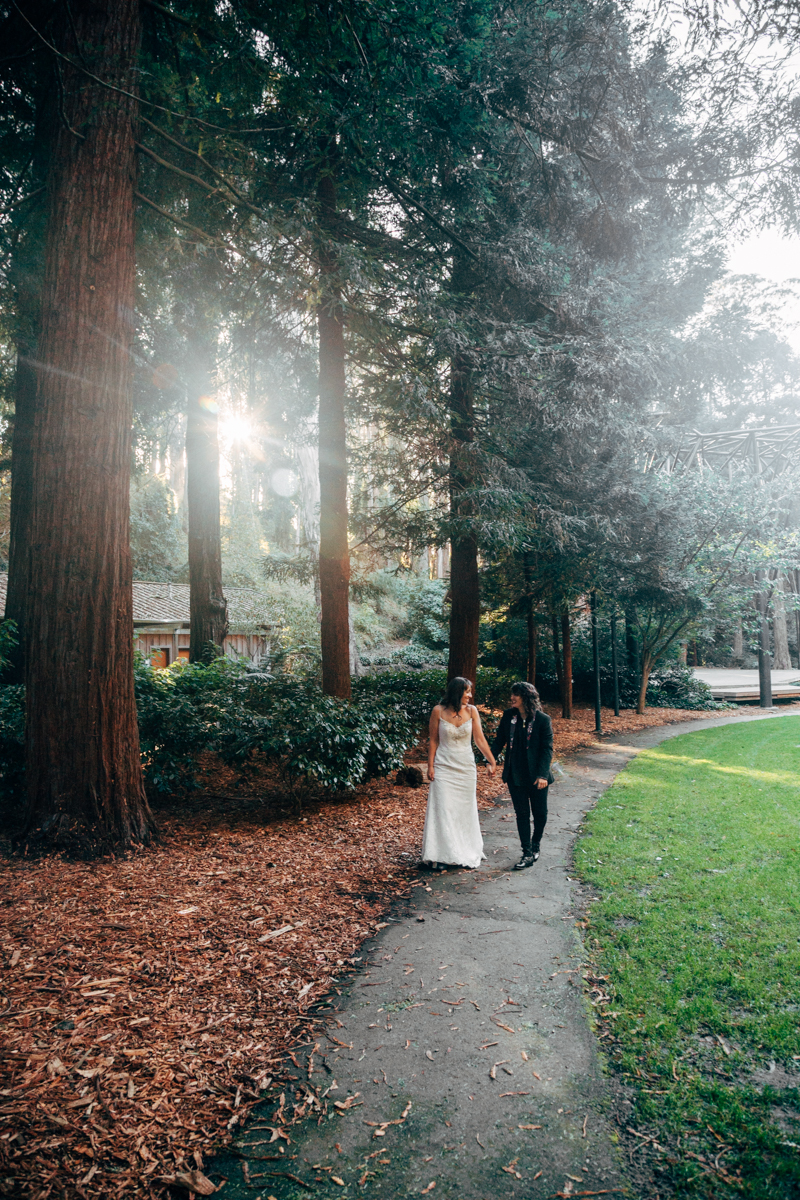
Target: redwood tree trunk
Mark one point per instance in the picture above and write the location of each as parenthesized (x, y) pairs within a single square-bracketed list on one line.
[(533, 639), (465, 595), (83, 768), (208, 609), (334, 551), (566, 680), (557, 655), (21, 500)]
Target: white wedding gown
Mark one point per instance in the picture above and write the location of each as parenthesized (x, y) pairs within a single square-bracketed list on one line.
[(452, 833)]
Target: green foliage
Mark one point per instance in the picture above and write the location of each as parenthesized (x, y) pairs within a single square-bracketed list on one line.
[(12, 742), (675, 686), (296, 646), (158, 544), (693, 854), (417, 691), (427, 618), (232, 710)]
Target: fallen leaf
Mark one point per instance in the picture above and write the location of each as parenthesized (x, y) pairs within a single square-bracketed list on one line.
[(195, 1181), (266, 937), (429, 1055)]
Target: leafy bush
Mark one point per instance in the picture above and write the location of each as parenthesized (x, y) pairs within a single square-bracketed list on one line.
[(417, 691), (12, 741), (427, 621), (674, 686), (234, 710)]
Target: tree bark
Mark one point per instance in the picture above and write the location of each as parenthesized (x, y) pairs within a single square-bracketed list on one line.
[(334, 551), (631, 644), (307, 456), (83, 767), (647, 667), (566, 681), (465, 602), (781, 660), (21, 498), (208, 608), (533, 644), (764, 663), (557, 654)]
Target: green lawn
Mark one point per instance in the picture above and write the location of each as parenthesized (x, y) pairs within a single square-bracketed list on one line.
[(695, 855)]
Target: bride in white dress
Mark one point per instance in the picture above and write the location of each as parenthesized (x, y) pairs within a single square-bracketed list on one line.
[(452, 834)]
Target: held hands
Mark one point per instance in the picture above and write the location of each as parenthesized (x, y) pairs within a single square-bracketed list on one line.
[(431, 772), (492, 768)]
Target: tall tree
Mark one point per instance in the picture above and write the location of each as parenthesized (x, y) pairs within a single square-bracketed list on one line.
[(83, 769), (334, 553), (465, 594), (208, 608)]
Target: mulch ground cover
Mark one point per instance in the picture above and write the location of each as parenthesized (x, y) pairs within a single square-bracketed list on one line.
[(147, 1003)]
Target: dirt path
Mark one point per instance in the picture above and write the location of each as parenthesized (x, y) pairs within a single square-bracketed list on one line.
[(461, 1058)]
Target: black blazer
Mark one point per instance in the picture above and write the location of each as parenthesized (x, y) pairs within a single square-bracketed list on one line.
[(540, 744)]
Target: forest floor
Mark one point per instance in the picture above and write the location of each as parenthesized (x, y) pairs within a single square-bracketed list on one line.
[(149, 1002)]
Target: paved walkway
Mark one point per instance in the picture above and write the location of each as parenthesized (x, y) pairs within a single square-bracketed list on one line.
[(460, 1058)]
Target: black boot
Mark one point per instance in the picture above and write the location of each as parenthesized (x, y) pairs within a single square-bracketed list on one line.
[(527, 859)]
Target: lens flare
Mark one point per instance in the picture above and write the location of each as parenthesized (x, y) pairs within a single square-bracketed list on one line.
[(284, 482), (209, 404)]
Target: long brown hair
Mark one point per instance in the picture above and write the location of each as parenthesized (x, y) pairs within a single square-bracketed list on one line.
[(454, 693), (530, 698)]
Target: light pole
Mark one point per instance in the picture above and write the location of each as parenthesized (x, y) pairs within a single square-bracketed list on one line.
[(764, 662), (598, 728), (614, 664)]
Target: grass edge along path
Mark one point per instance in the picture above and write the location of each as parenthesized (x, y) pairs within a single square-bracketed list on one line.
[(693, 938)]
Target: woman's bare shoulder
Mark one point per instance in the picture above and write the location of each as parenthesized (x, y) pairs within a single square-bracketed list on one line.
[(436, 711)]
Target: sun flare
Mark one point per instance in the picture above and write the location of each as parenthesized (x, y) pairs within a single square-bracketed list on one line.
[(235, 428)]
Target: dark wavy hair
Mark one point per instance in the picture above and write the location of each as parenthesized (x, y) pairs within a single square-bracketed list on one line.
[(454, 693), (530, 698)]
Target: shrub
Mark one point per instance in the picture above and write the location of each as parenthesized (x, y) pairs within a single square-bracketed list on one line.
[(234, 710), (674, 686), (426, 621), (12, 742)]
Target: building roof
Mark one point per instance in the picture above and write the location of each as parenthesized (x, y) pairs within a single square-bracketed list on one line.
[(168, 604)]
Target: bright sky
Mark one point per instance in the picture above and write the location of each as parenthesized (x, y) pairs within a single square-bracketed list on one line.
[(777, 258), (768, 253)]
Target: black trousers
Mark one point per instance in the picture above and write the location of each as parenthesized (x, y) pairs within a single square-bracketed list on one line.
[(528, 799)]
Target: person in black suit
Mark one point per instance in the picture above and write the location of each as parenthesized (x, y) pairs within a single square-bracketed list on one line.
[(526, 733)]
